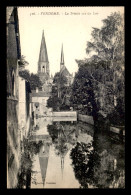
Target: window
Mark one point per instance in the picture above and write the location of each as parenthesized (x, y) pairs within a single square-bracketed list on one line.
[(37, 104), (43, 68), (13, 82)]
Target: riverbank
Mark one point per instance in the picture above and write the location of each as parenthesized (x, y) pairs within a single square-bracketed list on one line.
[(81, 146), (86, 119), (64, 114), (114, 130)]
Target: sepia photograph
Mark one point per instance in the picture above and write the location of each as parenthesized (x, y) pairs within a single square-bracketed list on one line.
[(65, 97)]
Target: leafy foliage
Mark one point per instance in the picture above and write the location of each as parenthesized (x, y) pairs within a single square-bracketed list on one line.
[(108, 42), (59, 100), (93, 163), (30, 149), (83, 97), (99, 83), (59, 80), (80, 156), (22, 63), (32, 78)]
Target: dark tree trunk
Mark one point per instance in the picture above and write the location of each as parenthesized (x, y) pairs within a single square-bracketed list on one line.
[(93, 103), (28, 179)]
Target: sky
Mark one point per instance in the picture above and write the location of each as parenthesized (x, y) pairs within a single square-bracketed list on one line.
[(70, 26)]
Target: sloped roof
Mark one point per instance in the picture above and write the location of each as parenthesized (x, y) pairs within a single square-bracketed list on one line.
[(65, 71)]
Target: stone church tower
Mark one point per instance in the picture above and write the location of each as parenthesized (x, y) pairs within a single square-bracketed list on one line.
[(43, 63)]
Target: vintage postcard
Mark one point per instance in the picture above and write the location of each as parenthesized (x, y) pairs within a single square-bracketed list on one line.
[(65, 97)]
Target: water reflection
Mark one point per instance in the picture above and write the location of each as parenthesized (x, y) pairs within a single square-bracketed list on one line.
[(71, 154), (100, 167)]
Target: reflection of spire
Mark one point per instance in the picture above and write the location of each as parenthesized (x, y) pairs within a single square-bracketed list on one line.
[(43, 159), (43, 166), (62, 165)]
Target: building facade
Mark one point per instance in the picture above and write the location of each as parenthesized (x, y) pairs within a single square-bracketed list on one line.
[(13, 55), (39, 103), (18, 105), (24, 115)]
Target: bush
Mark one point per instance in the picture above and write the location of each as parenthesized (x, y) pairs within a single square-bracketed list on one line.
[(116, 118)]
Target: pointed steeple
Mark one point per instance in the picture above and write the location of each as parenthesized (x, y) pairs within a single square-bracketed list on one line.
[(43, 57), (62, 58), (43, 63)]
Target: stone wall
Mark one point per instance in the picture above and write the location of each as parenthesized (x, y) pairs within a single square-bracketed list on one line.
[(13, 133), (24, 108), (64, 114), (86, 119), (13, 144)]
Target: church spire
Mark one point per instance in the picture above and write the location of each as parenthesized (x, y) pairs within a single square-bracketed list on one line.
[(43, 57), (43, 63), (62, 58)]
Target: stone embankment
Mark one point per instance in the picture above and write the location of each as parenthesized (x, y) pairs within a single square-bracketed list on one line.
[(118, 130), (64, 114), (86, 119)]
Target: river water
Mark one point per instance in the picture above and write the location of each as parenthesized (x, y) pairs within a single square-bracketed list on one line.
[(65, 153)]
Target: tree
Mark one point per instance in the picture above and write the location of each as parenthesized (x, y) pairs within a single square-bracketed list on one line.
[(25, 74), (93, 163), (30, 149), (83, 92), (54, 102), (103, 73), (22, 63), (108, 43), (32, 78), (60, 82), (35, 81), (58, 99), (81, 155)]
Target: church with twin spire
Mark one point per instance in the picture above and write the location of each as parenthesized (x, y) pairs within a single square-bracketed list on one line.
[(39, 97), (44, 68)]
